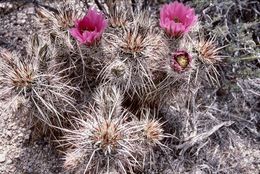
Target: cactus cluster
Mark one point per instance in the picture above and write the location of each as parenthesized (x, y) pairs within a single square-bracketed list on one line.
[(99, 81)]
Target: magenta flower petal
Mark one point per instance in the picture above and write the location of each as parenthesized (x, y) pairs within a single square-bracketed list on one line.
[(89, 29), (76, 34), (177, 19)]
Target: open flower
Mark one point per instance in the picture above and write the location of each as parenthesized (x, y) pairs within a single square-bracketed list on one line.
[(177, 19), (180, 61), (89, 29)]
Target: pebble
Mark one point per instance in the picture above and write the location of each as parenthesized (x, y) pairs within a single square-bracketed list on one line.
[(9, 133), (30, 10), (6, 5), (9, 161), (2, 158), (15, 127), (27, 137), (30, 170), (21, 21)]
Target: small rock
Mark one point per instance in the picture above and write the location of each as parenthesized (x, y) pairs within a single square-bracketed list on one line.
[(27, 137), (25, 167), (21, 21), (9, 133), (9, 161), (2, 158), (30, 10), (30, 170), (12, 169), (5, 118), (14, 127)]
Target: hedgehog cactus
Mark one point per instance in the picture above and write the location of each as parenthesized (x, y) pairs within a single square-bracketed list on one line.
[(110, 137), (47, 92), (136, 63)]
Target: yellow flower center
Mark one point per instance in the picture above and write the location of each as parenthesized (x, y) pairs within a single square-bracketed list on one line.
[(183, 61)]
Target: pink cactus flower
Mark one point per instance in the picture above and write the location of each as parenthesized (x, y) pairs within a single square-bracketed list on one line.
[(89, 29), (177, 19), (180, 61)]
